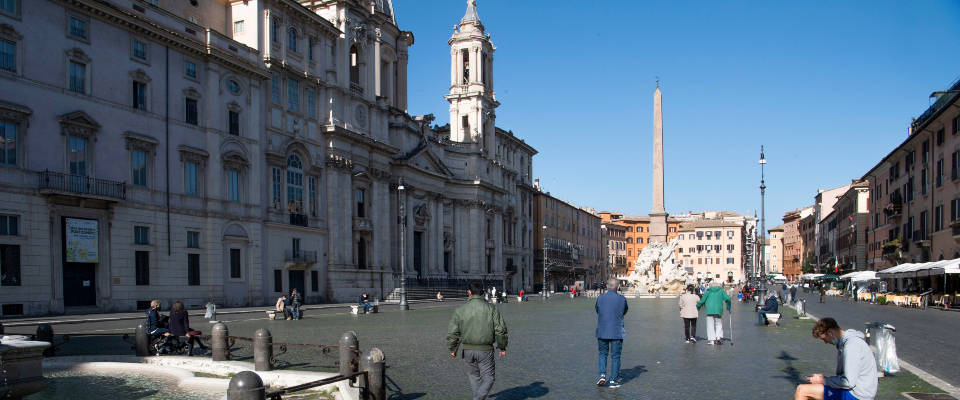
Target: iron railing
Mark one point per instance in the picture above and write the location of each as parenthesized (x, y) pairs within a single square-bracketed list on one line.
[(298, 220), (300, 256), (427, 288), (82, 185), (941, 102)]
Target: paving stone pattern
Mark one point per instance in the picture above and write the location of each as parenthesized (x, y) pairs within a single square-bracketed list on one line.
[(553, 353), (928, 339)]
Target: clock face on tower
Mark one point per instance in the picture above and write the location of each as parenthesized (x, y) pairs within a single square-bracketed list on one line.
[(361, 116)]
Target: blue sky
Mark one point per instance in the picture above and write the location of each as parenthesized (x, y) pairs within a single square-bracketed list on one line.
[(827, 87)]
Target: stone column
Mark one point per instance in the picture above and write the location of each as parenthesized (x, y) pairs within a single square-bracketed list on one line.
[(476, 239), (346, 217), (457, 235), (657, 153), (472, 55), (454, 67), (333, 227)]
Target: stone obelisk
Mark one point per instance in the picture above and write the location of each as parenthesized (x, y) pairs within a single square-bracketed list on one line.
[(658, 217)]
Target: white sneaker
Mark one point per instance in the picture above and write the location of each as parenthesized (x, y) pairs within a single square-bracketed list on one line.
[(712, 342), (603, 380)]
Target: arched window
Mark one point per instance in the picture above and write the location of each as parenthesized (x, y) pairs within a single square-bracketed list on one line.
[(354, 65), (292, 40), (362, 254), (294, 184), (310, 49)]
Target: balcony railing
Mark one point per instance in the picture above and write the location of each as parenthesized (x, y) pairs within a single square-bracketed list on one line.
[(356, 89), (941, 102), (301, 256), (298, 220), (362, 224), (82, 185)]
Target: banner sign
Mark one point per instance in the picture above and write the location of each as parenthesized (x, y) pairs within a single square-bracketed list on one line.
[(83, 244)]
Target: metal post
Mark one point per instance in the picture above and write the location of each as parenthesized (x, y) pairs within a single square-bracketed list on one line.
[(403, 232), (348, 344), (262, 350), (375, 387), (2, 331), (142, 340), (219, 342), (763, 217), (246, 385), (45, 334), (543, 292)]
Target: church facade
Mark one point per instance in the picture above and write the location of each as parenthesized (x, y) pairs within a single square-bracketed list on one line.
[(231, 151)]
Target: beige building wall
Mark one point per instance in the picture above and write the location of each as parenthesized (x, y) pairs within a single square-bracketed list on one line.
[(775, 254), (707, 255)]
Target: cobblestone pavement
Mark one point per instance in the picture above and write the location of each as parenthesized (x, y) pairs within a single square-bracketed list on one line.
[(553, 352), (927, 338)]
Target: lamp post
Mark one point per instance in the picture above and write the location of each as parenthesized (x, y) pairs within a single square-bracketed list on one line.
[(403, 232), (543, 291), (763, 218)]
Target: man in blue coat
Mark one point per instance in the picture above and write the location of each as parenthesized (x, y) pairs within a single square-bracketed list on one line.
[(611, 307), (770, 306)]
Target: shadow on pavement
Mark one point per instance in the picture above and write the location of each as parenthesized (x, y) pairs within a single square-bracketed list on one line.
[(791, 373), (627, 375), (531, 391)]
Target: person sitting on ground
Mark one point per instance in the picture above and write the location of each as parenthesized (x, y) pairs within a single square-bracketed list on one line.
[(365, 302), (282, 307), (856, 377), (770, 306), (180, 326)]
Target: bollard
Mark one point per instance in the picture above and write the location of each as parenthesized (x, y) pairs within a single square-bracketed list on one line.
[(142, 341), (45, 334), (219, 342), (374, 363), (246, 385), (348, 343), (262, 350)]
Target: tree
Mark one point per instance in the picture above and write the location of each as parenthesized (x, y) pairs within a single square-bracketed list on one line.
[(808, 265)]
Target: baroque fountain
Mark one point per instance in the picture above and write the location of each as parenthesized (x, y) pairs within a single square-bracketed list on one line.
[(673, 276)]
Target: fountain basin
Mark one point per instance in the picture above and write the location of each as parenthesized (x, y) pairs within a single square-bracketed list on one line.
[(22, 361)]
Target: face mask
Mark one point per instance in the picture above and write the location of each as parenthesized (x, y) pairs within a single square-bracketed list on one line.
[(836, 342)]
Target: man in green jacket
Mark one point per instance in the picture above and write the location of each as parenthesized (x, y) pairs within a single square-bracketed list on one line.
[(714, 298), (475, 326)]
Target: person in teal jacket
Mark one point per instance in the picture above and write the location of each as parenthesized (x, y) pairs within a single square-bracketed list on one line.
[(713, 300)]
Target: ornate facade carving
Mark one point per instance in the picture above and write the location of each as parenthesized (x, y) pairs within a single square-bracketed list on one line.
[(136, 141), (15, 113), (79, 124), (194, 155), (140, 75), (10, 32), (78, 55), (235, 161), (192, 93), (379, 175), (339, 163)]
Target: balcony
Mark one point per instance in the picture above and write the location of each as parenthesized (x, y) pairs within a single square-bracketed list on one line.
[(941, 102), (81, 186), (922, 238), (356, 89), (955, 226), (300, 256), (298, 220), (893, 210), (362, 224), (511, 269)]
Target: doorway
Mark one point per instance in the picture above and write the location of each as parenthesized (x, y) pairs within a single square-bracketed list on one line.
[(417, 252), (79, 279), (296, 281)]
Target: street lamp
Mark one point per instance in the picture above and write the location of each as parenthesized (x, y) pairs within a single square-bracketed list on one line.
[(403, 232), (763, 218), (544, 290)]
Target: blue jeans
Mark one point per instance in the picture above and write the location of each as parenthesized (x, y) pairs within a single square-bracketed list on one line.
[(366, 306), (296, 310), (612, 346), (763, 316), (873, 297)]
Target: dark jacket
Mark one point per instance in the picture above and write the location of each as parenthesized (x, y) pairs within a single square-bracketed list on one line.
[(153, 320), (793, 291), (364, 298), (771, 305), (611, 307), (179, 323), (295, 298), (476, 325)]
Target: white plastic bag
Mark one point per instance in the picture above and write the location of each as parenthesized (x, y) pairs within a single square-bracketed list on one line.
[(886, 348)]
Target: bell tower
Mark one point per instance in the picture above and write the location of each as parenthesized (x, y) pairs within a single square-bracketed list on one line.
[(472, 100)]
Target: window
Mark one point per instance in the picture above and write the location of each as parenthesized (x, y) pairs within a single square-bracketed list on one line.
[(275, 88), (10, 265), (190, 178), (925, 153), (940, 136), (9, 225), (923, 181), (293, 95), (939, 173), (140, 50), (233, 86), (194, 19), (681, 236), (275, 172), (234, 119), (78, 74), (275, 30), (955, 165), (191, 112), (729, 260), (141, 235), (292, 40), (360, 208), (673, 229), (294, 184), (139, 165), (142, 267), (639, 229), (278, 280), (315, 281), (139, 95), (233, 179), (193, 240), (310, 49), (938, 218), (954, 209), (9, 6), (235, 264), (78, 27), (956, 125), (354, 66), (238, 26), (295, 247), (8, 55), (8, 144), (78, 156), (313, 197), (311, 104), (193, 269), (190, 69)]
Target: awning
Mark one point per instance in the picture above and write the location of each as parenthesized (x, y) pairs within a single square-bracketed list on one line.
[(921, 269), (860, 276), (829, 277), (810, 276)]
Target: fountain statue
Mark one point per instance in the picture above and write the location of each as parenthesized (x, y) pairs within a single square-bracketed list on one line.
[(673, 276)]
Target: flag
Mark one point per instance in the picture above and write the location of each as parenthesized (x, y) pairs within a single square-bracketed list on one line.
[(836, 264)]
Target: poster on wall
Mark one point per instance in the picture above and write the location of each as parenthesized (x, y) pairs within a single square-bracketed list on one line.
[(83, 242)]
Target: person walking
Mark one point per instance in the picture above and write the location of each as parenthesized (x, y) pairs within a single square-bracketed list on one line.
[(823, 293), (855, 288), (873, 292), (474, 328), (856, 377), (689, 313), (793, 294), (611, 307), (713, 301), (295, 300)]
